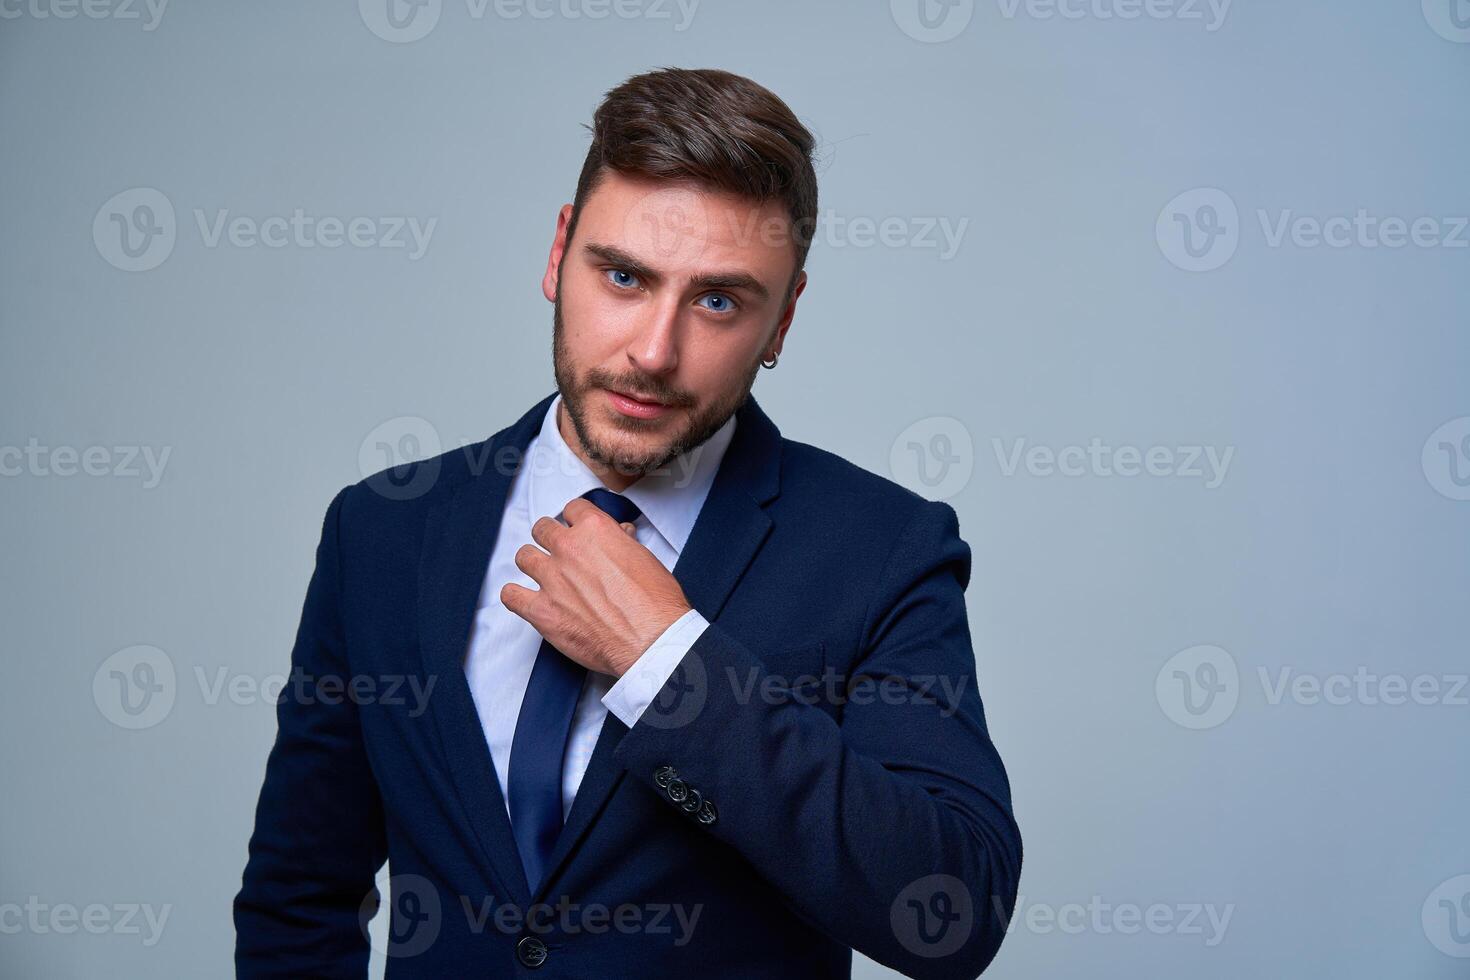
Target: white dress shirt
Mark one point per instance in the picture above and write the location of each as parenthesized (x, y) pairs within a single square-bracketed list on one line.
[(503, 646)]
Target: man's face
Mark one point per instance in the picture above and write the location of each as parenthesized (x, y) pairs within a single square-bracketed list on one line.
[(664, 305)]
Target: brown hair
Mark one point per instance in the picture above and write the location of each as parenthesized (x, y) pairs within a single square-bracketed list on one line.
[(720, 130)]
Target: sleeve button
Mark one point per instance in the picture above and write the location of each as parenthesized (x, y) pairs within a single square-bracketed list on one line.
[(531, 951)]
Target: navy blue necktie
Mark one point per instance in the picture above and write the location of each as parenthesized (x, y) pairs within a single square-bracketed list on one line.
[(542, 727)]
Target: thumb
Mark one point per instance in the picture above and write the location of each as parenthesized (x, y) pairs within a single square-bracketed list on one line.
[(627, 526)]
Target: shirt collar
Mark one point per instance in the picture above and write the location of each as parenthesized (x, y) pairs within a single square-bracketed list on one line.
[(670, 498)]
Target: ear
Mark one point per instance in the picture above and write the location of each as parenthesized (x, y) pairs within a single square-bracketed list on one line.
[(786, 316), (550, 282)]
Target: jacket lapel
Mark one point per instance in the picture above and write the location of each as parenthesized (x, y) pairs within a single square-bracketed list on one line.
[(725, 538), (459, 534)]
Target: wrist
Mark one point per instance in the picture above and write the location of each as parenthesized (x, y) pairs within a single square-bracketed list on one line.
[(660, 625)]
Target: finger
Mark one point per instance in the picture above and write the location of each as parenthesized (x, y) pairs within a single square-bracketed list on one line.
[(579, 509), (632, 531), (547, 532), (582, 509), (518, 599), (531, 560)]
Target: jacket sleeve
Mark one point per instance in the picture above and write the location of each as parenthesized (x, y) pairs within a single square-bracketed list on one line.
[(319, 836), (890, 831)]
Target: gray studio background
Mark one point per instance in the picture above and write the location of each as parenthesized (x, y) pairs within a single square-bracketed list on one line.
[(1214, 465)]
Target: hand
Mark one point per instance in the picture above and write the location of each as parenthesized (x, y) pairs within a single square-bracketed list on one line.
[(603, 597)]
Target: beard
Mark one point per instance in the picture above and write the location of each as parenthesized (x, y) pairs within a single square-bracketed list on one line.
[(575, 392)]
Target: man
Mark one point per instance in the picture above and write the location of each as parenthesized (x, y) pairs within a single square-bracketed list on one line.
[(697, 700)]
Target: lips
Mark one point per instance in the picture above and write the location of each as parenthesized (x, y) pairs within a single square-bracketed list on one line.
[(638, 398), (635, 407)]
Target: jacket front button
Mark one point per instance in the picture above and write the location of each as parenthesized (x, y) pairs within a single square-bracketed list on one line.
[(531, 951)]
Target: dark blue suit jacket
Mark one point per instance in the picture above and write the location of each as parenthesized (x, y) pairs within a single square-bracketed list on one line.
[(829, 718)]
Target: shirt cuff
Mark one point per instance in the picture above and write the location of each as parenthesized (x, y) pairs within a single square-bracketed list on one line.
[(640, 683)]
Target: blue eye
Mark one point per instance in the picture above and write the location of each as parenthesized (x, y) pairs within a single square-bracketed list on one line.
[(622, 278), (722, 303)]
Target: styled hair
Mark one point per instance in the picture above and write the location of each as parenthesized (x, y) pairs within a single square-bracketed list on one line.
[(717, 129)]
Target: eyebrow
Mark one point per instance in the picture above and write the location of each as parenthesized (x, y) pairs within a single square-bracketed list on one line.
[(708, 280)]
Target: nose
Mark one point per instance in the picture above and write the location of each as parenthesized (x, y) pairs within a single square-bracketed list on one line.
[(654, 349)]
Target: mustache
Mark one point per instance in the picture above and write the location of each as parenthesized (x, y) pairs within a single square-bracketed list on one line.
[(643, 389)]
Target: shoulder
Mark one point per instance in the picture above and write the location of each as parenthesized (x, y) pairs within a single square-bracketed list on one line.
[(815, 477), (403, 496), (866, 529)]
